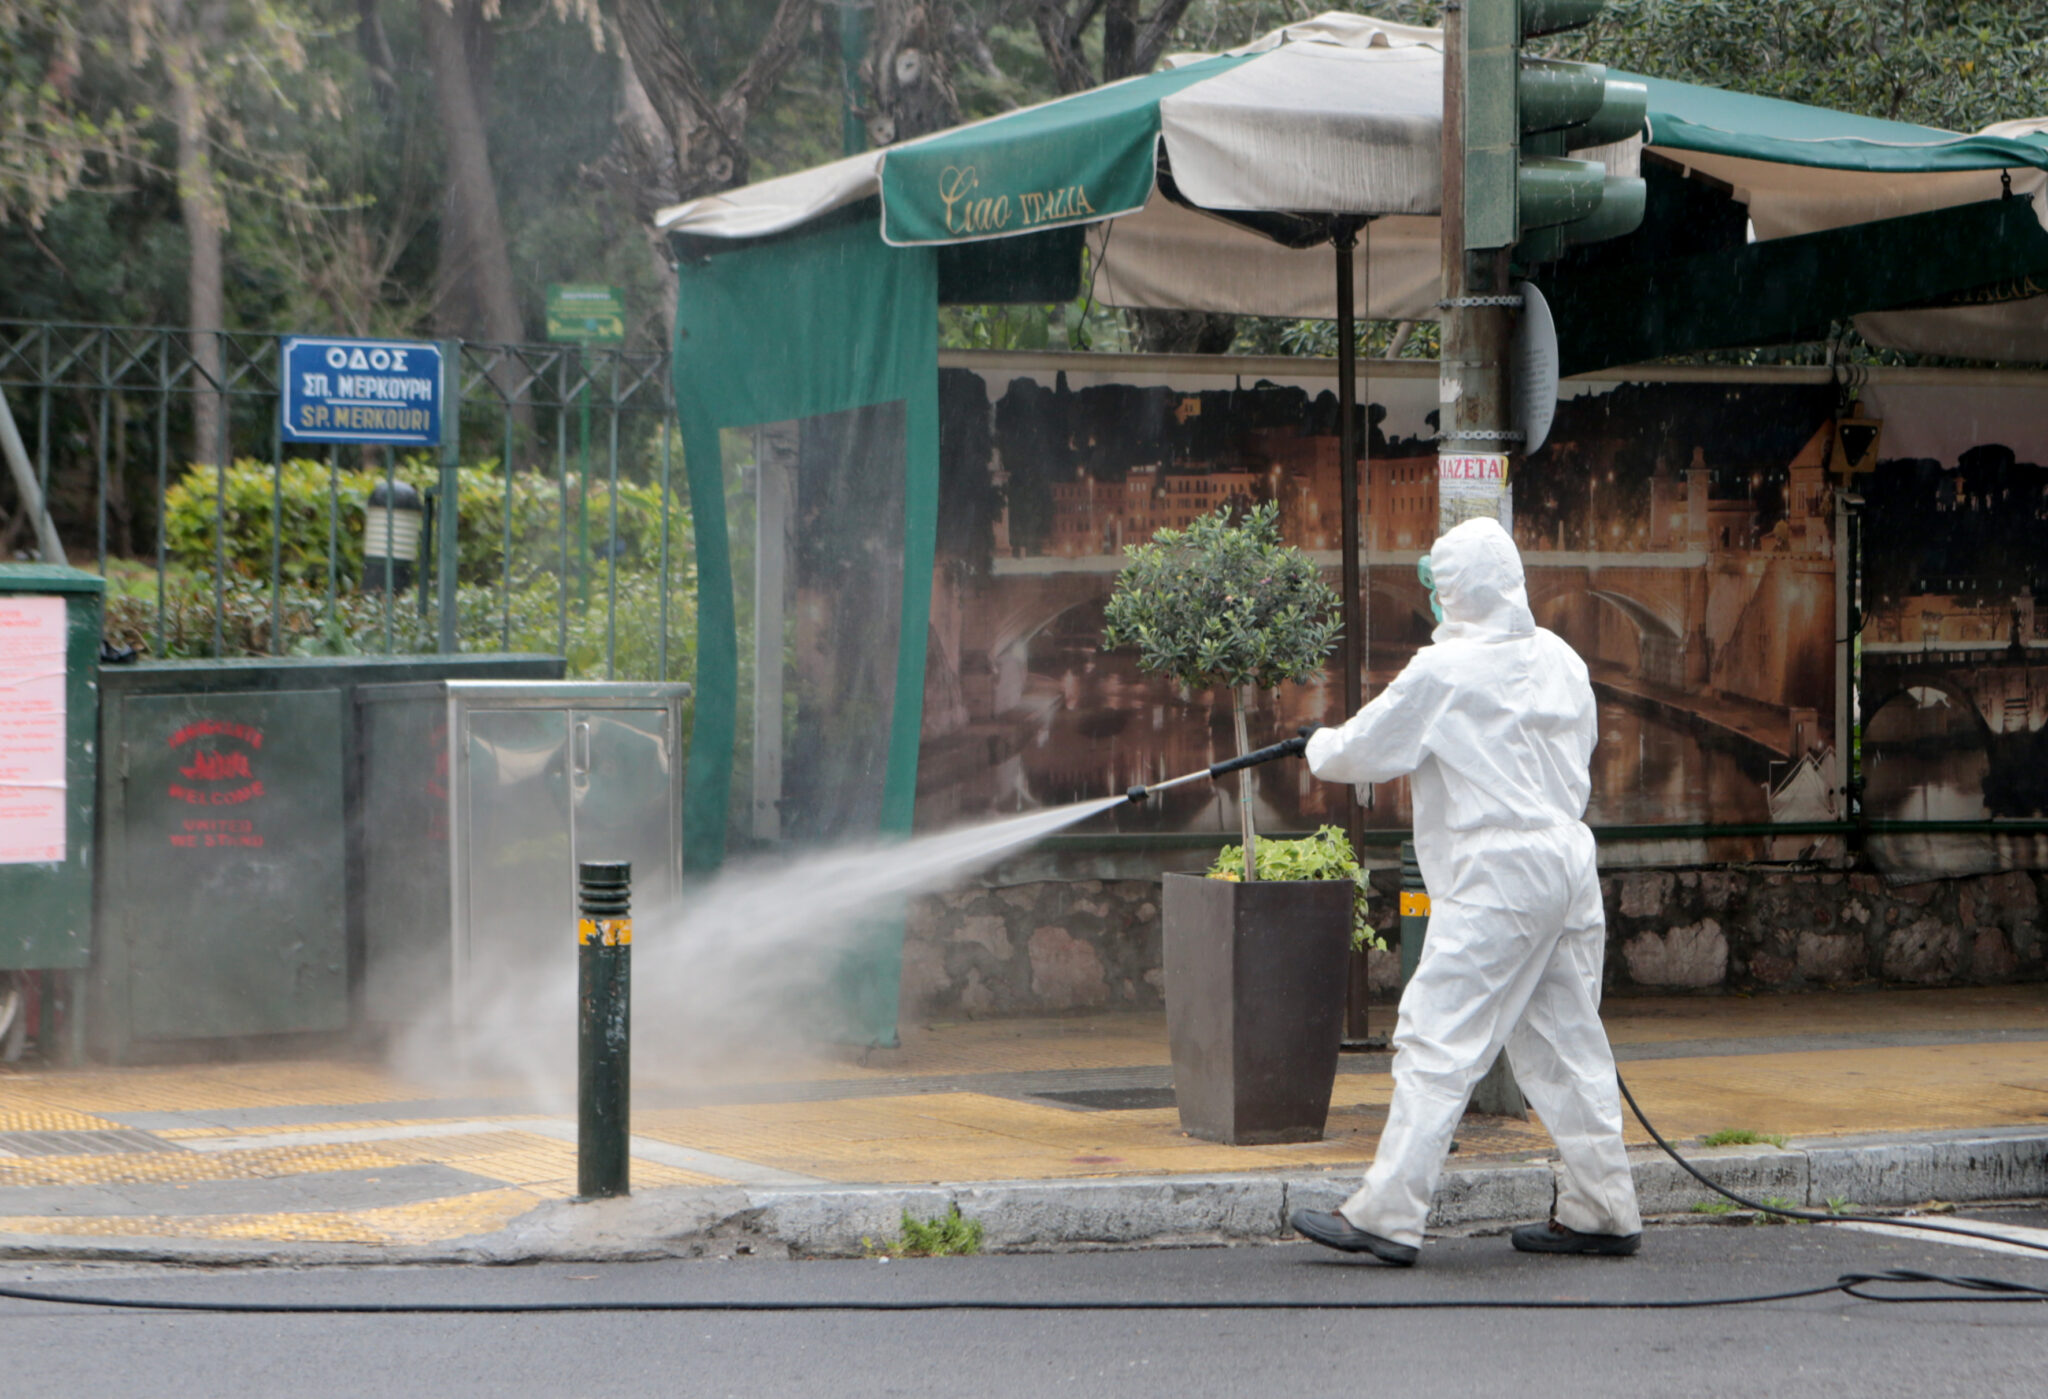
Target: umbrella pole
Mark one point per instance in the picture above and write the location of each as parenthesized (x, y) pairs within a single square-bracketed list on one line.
[(1344, 237)]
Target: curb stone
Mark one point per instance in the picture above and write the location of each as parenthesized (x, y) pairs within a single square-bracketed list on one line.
[(1032, 1216)]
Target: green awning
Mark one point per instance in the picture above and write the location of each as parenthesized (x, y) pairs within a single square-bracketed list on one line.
[(1082, 158), (1714, 121)]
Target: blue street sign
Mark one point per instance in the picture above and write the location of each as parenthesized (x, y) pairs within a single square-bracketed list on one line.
[(378, 391)]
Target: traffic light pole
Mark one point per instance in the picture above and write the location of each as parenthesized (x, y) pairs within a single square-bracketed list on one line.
[(1472, 397)]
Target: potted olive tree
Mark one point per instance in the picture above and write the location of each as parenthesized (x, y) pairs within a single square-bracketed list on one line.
[(1255, 966)]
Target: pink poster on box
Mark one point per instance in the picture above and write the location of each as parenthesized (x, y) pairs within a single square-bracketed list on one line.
[(31, 730)]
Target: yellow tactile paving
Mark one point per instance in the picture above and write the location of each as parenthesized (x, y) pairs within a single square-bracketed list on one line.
[(1123, 1040), (536, 1163), (187, 1134), (52, 1120), (434, 1221), (149, 1168), (200, 1087), (1832, 1092)]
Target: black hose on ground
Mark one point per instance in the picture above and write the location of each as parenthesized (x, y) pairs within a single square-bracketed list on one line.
[(1810, 1216)]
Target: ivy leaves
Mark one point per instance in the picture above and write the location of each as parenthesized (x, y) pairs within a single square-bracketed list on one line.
[(1223, 602)]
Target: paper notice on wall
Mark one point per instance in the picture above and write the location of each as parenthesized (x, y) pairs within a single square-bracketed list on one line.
[(31, 730), (1472, 484)]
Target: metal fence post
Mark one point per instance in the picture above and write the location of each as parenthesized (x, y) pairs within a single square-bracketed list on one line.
[(445, 541), (604, 963)]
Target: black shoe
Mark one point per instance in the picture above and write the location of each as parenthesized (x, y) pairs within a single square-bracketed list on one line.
[(1552, 1237), (1333, 1230)]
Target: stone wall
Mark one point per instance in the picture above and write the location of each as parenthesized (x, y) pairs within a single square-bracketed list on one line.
[(1760, 930), (1044, 945)]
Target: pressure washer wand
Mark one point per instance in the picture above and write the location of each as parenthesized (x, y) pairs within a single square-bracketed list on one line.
[(1285, 748)]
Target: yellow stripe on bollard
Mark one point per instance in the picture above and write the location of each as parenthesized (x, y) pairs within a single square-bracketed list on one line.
[(1414, 905), (607, 932)]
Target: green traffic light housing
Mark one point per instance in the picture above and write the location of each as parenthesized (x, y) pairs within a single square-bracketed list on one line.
[(1523, 117)]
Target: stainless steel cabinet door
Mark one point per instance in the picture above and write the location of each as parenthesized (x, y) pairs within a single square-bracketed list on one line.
[(623, 777)]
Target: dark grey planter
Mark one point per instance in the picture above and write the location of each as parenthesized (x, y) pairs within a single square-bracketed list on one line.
[(1255, 980)]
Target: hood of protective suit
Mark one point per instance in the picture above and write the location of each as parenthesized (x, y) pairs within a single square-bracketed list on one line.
[(1479, 584)]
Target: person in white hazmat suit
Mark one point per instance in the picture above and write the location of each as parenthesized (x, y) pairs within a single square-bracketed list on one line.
[(1494, 725)]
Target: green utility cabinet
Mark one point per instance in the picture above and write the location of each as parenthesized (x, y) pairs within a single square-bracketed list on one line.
[(49, 712), (232, 846)]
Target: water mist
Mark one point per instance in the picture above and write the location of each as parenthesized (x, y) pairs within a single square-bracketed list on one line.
[(736, 978)]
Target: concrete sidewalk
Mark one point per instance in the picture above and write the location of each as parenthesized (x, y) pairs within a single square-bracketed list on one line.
[(1051, 1132)]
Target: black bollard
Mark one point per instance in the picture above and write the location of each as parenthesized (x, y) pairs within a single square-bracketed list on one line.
[(604, 968), (1414, 911), (1496, 1093)]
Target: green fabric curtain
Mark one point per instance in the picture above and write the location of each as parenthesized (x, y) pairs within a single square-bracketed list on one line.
[(798, 328)]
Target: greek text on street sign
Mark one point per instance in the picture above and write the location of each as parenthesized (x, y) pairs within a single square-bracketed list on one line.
[(376, 391)]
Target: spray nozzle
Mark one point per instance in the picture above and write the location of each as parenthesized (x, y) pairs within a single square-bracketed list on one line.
[(1285, 748)]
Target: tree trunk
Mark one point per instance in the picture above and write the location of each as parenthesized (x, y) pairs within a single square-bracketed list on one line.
[(202, 212), (677, 141), (477, 300), (908, 72), (642, 171)]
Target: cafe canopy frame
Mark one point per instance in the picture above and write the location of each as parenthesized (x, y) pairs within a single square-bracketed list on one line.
[(1223, 182)]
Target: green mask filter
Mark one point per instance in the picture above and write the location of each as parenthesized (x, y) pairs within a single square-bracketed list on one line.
[(1427, 573)]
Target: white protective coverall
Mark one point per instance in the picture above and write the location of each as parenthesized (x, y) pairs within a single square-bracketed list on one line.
[(1494, 724)]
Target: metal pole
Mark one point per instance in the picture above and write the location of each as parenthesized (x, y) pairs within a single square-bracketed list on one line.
[(277, 514), (163, 457), (1344, 237), (220, 504), (1355, 654), (333, 526), (562, 485), (1472, 368), (604, 964), (390, 526), (106, 394), (583, 478), (48, 545), (449, 553), (661, 647), (505, 557), (611, 596)]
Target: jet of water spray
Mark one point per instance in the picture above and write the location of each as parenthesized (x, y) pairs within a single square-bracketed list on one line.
[(741, 969)]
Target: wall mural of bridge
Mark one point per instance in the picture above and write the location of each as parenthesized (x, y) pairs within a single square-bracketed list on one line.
[(1677, 534), (1955, 650)]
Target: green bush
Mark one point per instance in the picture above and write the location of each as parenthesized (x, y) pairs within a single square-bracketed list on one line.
[(1325, 855), (357, 625), (303, 493)]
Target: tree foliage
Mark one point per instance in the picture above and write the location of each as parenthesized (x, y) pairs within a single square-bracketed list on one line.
[(1959, 65), (1223, 602)]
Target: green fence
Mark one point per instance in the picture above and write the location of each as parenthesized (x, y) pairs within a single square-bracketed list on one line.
[(161, 446)]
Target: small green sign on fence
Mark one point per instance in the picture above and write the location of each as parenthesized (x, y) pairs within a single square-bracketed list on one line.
[(586, 313)]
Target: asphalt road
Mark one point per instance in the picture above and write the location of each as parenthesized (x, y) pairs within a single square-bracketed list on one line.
[(1830, 1346)]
